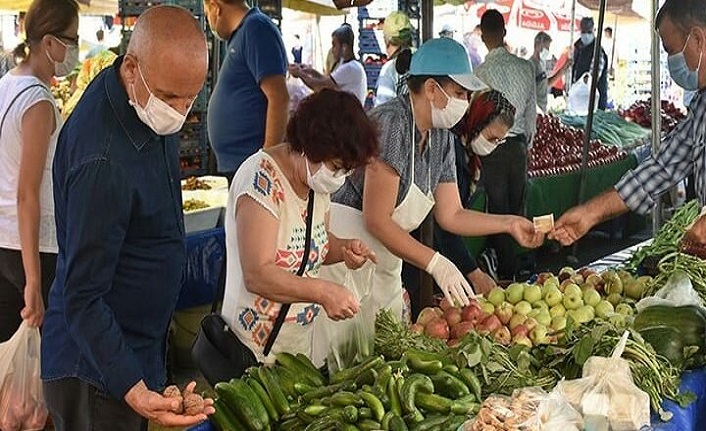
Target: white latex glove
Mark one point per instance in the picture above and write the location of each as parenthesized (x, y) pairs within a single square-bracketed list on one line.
[(454, 285)]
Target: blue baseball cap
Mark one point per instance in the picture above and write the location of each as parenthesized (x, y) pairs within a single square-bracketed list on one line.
[(445, 57)]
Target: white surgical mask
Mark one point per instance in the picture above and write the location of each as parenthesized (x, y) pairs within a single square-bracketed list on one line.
[(587, 38), (157, 114), (324, 180), (544, 54), (449, 116), (67, 65), (482, 146)]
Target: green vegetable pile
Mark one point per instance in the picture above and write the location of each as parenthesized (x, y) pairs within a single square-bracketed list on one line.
[(666, 241), (610, 128)]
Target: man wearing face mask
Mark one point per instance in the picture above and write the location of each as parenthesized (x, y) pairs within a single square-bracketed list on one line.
[(414, 175), (682, 28), (542, 43), (348, 73), (505, 170), (583, 60), (121, 234)]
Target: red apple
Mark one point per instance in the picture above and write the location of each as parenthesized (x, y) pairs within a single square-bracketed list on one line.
[(453, 316), (504, 313), (453, 342), (502, 336), (471, 313), (520, 330), (461, 329), (542, 277), (446, 304), (437, 328), (426, 315), (417, 328), (489, 325)]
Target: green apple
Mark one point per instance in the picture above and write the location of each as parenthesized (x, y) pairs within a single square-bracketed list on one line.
[(571, 315), (530, 323), (634, 289), (591, 297), (552, 281), (533, 294), (624, 309), (517, 320), (604, 309), (557, 310), (572, 289), (538, 335), (534, 312), (522, 340), (544, 318), (573, 301), (585, 314), (615, 299), (496, 296), (553, 296), (577, 279), (558, 323), (541, 305), (487, 307), (523, 307), (504, 312), (613, 283), (514, 293), (620, 321)]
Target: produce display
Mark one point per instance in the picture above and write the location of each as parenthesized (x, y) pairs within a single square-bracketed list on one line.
[(193, 183), (611, 128), (641, 113), (194, 204), (557, 149)]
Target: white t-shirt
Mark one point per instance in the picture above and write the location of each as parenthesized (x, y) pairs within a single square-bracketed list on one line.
[(350, 77), (251, 316), (11, 155)]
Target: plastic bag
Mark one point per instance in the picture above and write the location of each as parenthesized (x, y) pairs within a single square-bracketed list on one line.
[(298, 91), (579, 96), (22, 404), (606, 395), (352, 340), (530, 409), (677, 292)]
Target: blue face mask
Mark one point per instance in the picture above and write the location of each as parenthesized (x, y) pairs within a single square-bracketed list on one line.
[(587, 38), (679, 70)]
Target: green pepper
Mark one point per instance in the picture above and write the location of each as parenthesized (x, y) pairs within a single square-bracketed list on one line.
[(415, 383), (374, 404), (449, 386), (472, 381)]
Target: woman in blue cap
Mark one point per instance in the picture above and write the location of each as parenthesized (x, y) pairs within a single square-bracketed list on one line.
[(414, 174)]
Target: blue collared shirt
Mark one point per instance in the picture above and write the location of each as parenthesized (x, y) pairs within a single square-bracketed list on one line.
[(121, 245), (681, 153)]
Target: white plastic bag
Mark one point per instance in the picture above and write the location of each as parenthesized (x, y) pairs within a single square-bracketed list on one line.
[(606, 396), (22, 406), (352, 340), (579, 96), (298, 91), (677, 292)]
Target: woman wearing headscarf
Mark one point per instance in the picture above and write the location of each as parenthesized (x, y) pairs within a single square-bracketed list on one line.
[(398, 37)]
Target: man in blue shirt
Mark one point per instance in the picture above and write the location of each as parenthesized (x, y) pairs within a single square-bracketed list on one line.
[(250, 102), (121, 234)]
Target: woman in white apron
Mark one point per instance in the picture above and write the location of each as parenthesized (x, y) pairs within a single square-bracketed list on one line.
[(414, 174), (265, 224)]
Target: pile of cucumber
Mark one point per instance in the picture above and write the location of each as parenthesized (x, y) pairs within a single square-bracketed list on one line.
[(420, 392)]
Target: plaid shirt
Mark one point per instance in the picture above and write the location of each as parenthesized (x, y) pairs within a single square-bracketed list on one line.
[(681, 153)]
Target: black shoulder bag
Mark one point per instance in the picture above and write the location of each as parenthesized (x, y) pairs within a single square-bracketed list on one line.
[(217, 351)]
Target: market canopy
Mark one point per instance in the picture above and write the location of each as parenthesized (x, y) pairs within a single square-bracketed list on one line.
[(540, 15), (615, 7)]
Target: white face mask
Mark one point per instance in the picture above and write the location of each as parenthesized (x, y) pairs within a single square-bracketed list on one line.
[(324, 180), (482, 146), (544, 54), (69, 62), (449, 116), (157, 114)]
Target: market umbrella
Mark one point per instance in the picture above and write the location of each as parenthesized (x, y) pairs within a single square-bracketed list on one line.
[(314, 7)]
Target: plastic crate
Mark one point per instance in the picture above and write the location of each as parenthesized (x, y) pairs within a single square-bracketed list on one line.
[(372, 73), (368, 42), (201, 102)]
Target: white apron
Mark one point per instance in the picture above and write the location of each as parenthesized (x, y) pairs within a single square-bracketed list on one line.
[(347, 222)]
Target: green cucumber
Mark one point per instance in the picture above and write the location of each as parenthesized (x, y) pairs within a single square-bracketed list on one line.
[(433, 403), (245, 404), (262, 394)]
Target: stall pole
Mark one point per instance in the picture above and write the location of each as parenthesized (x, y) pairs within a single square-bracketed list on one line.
[(597, 52), (656, 108), (426, 283), (568, 75)]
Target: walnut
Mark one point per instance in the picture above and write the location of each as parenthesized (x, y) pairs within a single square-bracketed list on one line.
[(193, 404), (174, 392)]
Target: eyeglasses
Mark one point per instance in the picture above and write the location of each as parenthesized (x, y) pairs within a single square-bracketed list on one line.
[(73, 41)]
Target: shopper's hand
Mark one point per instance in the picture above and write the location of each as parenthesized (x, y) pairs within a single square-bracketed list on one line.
[(571, 226), (33, 311), (295, 70), (356, 253), (694, 242), (161, 410), (339, 302), (524, 232), (482, 283), (454, 285)]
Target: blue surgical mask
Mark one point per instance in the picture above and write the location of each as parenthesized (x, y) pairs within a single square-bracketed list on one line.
[(587, 38), (679, 70)]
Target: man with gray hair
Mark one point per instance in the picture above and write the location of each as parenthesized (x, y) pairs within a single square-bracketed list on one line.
[(542, 43), (583, 60), (120, 231)]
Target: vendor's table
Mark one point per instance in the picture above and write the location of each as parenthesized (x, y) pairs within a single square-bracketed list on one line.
[(204, 254)]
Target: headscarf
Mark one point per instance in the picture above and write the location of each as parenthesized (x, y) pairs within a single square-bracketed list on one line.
[(485, 107), (398, 29)]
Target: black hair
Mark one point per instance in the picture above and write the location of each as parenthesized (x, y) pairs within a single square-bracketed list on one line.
[(587, 24), (492, 23), (415, 82), (542, 37), (344, 34), (685, 14), (609, 30)]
